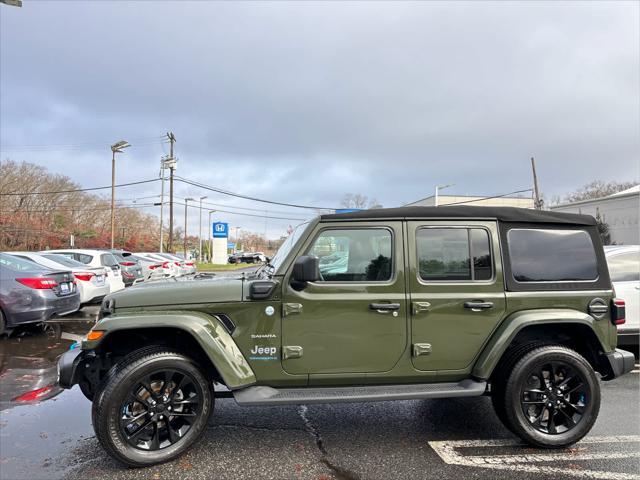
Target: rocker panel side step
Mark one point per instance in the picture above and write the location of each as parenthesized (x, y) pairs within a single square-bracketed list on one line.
[(262, 395)]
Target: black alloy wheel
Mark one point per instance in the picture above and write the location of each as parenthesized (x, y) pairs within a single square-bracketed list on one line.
[(160, 409), (551, 398), (554, 398), (152, 406)]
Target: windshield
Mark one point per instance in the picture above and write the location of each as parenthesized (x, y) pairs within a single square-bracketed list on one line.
[(286, 247)]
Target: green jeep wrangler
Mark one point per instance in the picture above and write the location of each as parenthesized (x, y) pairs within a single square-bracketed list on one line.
[(389, 304)]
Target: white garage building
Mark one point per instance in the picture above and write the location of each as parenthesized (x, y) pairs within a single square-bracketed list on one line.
[(620, 211)]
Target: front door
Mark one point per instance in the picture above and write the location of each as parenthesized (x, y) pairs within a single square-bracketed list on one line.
[(355, 319), (456, 291)]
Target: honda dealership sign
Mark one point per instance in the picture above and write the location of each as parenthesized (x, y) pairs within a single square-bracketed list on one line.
[(219, 234), (220, 230)]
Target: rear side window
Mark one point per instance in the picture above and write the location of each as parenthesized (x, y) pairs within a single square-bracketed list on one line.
[(624, 267), (539, 255), (357, 255), (454, 254), (84, 258)]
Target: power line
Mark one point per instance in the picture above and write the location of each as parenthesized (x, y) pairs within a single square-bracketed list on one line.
[(62, 146), (81, 189), (246, 197), (488, 198)]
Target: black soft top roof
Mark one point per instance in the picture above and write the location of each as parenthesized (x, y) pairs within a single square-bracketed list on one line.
[(502, 214)]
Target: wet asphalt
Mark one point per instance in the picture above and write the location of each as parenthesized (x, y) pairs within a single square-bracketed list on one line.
[(457, 438)]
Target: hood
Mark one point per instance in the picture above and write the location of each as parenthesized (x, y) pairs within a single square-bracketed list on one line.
[(170, 292)]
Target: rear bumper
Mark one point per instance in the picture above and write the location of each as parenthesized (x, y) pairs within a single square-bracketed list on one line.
[(621, 362), (630, 336), (41, 309), (69, 367)]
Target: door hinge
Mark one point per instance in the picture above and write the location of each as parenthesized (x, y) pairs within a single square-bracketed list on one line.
[(418, 307), (291, 351), (420, 349), (291, 308)]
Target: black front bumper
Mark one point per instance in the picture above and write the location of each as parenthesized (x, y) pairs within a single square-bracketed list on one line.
[(70, 365), (621, 362)]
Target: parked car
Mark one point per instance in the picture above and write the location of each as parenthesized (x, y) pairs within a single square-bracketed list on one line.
[(97, 258), (91, 281), (235, 257), (624, 268), (188, 266), (173, 266), (31, 293), (151, 269), (246, 257), (129, 267), (432, 302)]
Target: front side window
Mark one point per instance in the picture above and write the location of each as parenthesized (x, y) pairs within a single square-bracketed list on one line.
[(356, 255), (624, 267), (551, 255), (454, 254)]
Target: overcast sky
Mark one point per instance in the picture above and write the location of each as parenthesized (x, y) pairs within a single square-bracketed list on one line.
[(304, 102)]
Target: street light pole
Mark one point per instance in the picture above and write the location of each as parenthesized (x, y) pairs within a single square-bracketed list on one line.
[(441, 187), (200, 232), (115, 148), (186, 202), (210, 242), (237, 238)]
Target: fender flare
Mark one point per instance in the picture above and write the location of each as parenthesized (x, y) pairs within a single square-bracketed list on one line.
[(512, 325), (214, 339)]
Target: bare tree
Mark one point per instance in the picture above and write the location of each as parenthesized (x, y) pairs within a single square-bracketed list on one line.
[(357, 200), (597, 189)]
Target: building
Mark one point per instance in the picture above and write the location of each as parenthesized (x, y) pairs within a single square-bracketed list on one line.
[(521, 202), (619, 211)]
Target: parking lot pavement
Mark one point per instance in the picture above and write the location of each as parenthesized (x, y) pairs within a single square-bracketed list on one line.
[(457, 438)]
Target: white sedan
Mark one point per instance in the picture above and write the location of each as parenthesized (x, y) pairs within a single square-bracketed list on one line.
[(91, 281), (624, 268), (97, 258)]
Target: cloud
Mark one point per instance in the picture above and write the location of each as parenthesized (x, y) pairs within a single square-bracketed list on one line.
[(303, 102)]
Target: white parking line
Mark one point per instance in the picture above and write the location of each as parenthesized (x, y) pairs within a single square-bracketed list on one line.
[(448, 452)]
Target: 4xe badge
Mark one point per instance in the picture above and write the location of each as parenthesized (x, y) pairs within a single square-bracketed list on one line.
[(263, 353)]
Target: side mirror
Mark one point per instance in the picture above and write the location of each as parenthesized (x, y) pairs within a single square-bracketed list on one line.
[(306, 269)]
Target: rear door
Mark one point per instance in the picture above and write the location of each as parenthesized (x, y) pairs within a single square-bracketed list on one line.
[(354, 321), (456, 291)]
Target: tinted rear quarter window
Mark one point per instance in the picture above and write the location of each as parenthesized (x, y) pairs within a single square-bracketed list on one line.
[(546, 255)]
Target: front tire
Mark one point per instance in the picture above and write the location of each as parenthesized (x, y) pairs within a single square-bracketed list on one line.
[(152, 407), (552, 397)]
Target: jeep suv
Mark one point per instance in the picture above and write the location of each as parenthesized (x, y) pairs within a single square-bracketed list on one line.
[(389, 304)]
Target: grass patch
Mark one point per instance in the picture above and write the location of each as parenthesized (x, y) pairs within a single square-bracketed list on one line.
[(212, 267)]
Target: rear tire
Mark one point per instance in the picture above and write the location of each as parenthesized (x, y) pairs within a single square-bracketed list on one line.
[(152, 406), (551, 397)]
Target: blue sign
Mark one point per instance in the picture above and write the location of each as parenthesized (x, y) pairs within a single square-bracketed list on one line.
[(231, 245), (220, 230)]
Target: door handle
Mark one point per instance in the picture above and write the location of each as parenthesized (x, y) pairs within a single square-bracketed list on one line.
[(384, 307), (478, 306)]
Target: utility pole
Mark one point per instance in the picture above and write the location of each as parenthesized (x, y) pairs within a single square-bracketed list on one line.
[(536, 193), (186, 203), (200, 231), (210, 241), (115, 148), (162, 160), (172, 166)]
